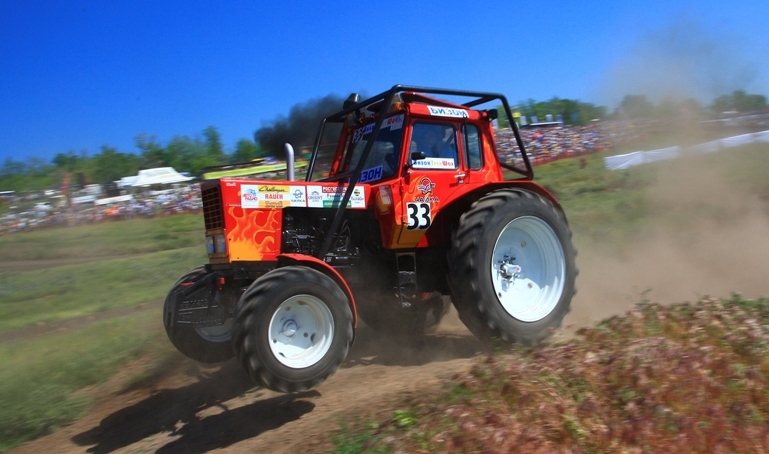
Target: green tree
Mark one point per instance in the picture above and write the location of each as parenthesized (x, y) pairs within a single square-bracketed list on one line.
[(246, 150), (572, 112), (11, 167), (111, 165), (214, 149), (739, 101), (721, 104), (189, 155), (636, 106), (151, 153), (67, 162)]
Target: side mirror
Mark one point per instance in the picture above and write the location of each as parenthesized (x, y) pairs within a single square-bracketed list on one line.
[(493, 114), (418, 155)]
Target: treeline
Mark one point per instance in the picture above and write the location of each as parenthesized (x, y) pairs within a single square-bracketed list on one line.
[(577, 113), (183, 153), (186, 154), (739, 102)]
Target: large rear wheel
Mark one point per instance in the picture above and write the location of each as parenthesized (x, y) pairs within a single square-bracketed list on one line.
[(512, 267), (292, 328)]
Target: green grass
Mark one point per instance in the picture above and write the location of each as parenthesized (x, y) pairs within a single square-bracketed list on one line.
[(109, 239), (40, 378), (599, 203), (95, 268), (64, 292)]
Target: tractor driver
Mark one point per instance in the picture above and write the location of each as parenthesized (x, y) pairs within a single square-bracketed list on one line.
[(431, 139)]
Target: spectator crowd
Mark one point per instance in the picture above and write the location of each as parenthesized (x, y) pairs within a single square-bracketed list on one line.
[(543, 144), (184, 199), (548, 143)]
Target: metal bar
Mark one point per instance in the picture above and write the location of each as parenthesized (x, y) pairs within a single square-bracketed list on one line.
[(356, 173)]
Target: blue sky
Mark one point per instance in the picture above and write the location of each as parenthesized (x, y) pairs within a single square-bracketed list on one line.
[(78, 75)]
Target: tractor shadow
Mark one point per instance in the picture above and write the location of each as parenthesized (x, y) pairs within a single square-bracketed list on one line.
[(177, 412), (223, 406)]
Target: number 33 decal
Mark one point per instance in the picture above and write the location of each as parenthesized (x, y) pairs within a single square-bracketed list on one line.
[(419, 216)]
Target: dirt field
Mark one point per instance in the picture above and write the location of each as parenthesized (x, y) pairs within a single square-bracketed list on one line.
[(196, 409)]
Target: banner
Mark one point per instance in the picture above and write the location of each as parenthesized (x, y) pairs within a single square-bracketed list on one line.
[(623, 161)]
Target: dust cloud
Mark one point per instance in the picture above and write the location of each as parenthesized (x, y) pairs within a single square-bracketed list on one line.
[(685, 58), (706, 236)]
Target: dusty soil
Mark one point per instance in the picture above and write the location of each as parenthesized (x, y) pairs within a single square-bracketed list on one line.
[(194, 408)]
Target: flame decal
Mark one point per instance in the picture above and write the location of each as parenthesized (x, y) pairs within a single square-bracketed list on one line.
[(255, 234)]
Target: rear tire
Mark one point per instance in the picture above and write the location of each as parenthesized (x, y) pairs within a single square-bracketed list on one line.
[(209, 344), (292, 328), (512, 267)]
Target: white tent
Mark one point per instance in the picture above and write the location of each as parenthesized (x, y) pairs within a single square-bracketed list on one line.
[(159, 175)]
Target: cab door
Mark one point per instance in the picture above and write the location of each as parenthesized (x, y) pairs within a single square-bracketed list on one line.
[(433, 174)]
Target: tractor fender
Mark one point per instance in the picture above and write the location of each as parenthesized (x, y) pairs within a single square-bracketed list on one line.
[(463, 203), (319, 265), (528, 185)]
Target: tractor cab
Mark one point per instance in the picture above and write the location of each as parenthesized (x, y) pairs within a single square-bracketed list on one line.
[(419, 154)]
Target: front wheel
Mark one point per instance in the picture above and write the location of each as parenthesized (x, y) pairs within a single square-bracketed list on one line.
[(512, 267), (292, 328), (208, 344)]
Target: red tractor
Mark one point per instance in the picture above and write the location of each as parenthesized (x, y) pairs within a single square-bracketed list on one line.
[(411, 202)]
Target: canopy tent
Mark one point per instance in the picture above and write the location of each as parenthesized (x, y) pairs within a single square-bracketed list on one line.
[(159, 175)]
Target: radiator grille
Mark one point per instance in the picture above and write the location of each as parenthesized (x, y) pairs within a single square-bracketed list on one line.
[(212, 207)]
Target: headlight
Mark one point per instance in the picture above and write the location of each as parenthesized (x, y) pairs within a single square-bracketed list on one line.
[(210, 244), (221, 245)]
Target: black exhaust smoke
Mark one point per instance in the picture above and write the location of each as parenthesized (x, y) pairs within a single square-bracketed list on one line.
[(299, 128)]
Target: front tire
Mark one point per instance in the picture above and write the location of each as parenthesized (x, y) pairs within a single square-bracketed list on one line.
[(292, 328), (209, 344), (512, 267)]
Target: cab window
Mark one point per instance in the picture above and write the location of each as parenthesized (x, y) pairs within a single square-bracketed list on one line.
[(473, 145), (437, 142), (384, 157)]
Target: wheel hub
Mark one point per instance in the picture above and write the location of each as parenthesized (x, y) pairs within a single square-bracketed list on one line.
[(290, 328), (509, 270), (528, 243), (301, 331)]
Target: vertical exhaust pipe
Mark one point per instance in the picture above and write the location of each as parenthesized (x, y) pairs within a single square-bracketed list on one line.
[(289, 161)]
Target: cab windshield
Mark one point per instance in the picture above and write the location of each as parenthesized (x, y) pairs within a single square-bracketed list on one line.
[(383, 160)]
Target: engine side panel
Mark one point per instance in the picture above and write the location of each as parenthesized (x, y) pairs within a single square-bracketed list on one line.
[(251, 212)]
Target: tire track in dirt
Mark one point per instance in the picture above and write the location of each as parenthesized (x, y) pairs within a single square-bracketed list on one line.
[(218, 408)]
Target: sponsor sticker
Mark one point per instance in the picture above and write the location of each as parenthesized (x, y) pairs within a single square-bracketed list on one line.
[(372, 174), (360, 132), (434, 163), (447, 112), (394, 123), (272, 196), (426, 187), (331, 197)]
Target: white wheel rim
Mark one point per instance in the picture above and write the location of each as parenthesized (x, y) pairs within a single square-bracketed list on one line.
[(528, 269), (301, 331), (218, 333)]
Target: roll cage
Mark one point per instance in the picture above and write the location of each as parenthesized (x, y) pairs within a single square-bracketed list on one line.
[(379, 106)]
